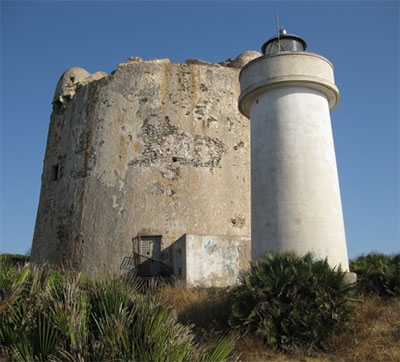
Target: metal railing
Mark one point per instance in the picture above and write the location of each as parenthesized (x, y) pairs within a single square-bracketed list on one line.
[(144, 266)]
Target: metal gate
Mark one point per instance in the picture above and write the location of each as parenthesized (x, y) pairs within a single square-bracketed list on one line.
[(147, 254)]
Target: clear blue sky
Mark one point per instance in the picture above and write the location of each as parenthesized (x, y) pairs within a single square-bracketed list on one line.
[(40, 40)]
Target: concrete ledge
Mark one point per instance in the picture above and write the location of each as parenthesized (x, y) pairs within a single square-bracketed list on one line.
[(286, 69), (351, 277)]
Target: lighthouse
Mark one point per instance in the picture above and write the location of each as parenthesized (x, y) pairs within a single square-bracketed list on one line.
[(288, 94)]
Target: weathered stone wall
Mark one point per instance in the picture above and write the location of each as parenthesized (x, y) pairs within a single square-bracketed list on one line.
[(156, 147)]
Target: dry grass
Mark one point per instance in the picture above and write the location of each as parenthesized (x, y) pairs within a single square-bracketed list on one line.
[(375, 335), (206, 308), (376, 332)]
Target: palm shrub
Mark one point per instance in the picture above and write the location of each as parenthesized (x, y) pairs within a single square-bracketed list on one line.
[(127, 325), (9, 271), (292, 300), (42, 317), (131, 325), (377, 274), (49, 315)]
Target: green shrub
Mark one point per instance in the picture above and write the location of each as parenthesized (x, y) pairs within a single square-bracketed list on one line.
[(377, 274), (9, 266), (41, 316), (49, 315), (131, 326), (291, 301)]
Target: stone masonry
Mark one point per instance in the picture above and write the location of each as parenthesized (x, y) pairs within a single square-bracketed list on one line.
[(154, 148)]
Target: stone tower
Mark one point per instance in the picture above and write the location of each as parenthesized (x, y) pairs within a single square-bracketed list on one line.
[(149, 153), (288, 94)]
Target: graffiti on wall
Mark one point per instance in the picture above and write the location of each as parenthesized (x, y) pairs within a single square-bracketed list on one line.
[(232, 256)]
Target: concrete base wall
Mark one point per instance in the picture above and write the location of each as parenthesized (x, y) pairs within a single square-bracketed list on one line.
[(210, 260)]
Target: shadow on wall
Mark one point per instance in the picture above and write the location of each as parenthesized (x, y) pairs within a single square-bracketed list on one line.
[(139, 265), (206, 260), (146, 258)]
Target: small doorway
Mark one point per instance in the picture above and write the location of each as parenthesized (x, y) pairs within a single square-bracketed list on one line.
[(147, 254)]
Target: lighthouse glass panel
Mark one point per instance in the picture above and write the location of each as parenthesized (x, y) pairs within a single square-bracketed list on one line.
[(284, 44), (288, 44)]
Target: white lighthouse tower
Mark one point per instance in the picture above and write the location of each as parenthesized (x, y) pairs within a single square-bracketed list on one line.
[(295, 198)]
